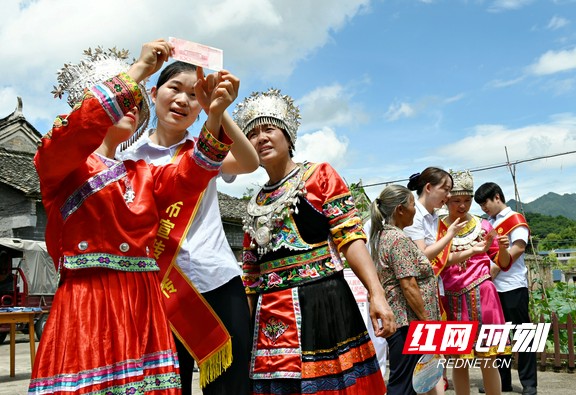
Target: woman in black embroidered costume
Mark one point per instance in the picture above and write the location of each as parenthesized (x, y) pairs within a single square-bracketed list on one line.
[(309, 335)]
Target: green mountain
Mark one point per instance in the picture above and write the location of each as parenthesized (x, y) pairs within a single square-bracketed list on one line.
[(550, 204)]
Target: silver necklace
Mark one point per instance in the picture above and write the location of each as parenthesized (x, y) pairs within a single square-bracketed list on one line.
[(263, 219)]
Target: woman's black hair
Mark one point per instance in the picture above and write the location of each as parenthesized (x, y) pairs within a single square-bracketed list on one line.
[(430, 175), (382, 210), (173, 69)]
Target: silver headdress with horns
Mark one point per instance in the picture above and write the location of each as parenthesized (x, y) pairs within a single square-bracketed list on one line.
[(268, 108), (98, 66), (463, 183)]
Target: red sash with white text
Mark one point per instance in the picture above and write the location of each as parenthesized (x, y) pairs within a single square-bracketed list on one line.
[(204, 336)]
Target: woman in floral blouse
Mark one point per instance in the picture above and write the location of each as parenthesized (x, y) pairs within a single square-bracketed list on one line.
[(407, 278)]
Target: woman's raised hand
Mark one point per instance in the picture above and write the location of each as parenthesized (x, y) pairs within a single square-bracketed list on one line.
[(455, 227), (216, 91), (152, 56)]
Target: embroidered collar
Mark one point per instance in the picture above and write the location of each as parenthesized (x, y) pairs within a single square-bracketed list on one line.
[(268, 208), (267, 187), (469, 236)]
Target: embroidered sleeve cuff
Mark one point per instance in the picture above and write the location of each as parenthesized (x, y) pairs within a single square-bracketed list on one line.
[(347, 232), (118, 95), (209, 152), (251, 283)]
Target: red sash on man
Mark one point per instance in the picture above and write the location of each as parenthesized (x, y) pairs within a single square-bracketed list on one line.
[(510, 223), (191, 318)]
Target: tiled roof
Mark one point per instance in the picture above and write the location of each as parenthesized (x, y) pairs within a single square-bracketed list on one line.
[(231, 208), (18, 171)]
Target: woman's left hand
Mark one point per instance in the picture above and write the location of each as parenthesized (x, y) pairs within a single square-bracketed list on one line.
[(382, 317), (215, 92)]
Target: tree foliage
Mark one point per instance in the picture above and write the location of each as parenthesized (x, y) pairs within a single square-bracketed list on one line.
[(550, 233)]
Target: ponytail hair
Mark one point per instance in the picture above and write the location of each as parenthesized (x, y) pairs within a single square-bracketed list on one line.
[(430, 175), (382, 211)]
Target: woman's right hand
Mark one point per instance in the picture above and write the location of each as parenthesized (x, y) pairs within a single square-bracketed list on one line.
[(152, 57), (455, 228), (481, 247), (207, 85), (218, 90)]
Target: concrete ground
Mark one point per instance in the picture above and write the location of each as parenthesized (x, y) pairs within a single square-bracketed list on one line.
[(548, 382)]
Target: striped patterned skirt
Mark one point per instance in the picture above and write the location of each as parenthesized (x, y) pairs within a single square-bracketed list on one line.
[(312, 340), (107, 333), (477, 302)]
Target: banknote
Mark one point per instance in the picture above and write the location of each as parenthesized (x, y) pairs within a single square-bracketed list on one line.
[(200, 55)]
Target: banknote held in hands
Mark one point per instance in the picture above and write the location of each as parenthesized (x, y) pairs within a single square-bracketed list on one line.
[(200, 55)]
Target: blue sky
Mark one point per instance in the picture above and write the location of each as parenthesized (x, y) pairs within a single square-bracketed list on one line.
[(385, 88)]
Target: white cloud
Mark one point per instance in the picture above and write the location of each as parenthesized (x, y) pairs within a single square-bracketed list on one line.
[(454, 99), (322, 146), (554, 62), (505, 83), (244, 183), (557, 22), (398, 111), (330, 106), (485, 150), (264, 35), (487, 145), (561, 87), (508, 5)]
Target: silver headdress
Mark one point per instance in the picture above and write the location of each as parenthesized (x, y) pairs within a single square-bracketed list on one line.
[(271, 107), (98, 66), (463, 183)]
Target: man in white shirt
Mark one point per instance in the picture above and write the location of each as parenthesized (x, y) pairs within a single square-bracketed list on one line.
[(512, 285)]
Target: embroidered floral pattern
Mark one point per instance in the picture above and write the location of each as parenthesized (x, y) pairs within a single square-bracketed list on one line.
[(115, 262), (91, 186), (274, 279), (118, 95), (274, 328), (326, 363), (287, 236), (296, 275), (308, 272), (303, 261), (265, 198)]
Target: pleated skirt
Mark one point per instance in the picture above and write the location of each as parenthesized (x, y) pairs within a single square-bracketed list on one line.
[(480, 303), (312, 340), (106, 333)]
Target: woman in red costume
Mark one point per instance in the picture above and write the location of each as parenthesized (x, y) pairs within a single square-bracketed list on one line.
[(309, 335), (107, 332)]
